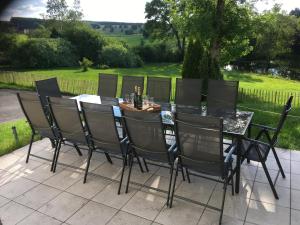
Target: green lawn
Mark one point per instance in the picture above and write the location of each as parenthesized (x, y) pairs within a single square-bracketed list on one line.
[(7, 140), (247, 80), (132, 40)]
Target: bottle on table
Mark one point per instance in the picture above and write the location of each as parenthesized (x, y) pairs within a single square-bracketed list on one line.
[(139, 99), (135, 96)]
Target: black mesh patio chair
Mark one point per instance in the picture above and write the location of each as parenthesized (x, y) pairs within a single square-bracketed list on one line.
[(200, 149), (147, 140), (258, 151), (67, 119), (47, 87), (37, 119), (159, 88), (128, 84), (103, 133), (222, 97), (108, 84), (188, 92)]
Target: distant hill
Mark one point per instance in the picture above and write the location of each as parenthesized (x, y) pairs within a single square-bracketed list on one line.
[(24, 25)]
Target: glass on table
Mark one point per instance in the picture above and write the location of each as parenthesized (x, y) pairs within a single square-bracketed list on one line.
[(145, 100), (127, 98), (151, 101)]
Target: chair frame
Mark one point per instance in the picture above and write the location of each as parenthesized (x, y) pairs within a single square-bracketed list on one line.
[(272, 141), (131, 79), (227, 165), (158, 78), (169, 150), (93, 146), (34, 133)]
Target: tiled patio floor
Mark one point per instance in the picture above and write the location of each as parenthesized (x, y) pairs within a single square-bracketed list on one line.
[(30, 194)]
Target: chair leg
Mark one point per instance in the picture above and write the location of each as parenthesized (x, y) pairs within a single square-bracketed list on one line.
[(122, 175), (182, 172), (88, 164), (129, 173), (232, 180), (146, 166), (278, 162), (29, 149), (174, 183), (77, 149), (139, 162), (56, 158), (108, 157), (187, 174), (52, 143), (223, 200), (270, 180), (170, 183)]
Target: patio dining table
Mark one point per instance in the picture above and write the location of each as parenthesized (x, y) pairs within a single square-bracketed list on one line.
[(234, 126)]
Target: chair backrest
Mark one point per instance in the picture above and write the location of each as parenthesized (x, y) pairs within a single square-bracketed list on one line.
[(188, 92), (128, 84), (145, 133), (47, 87), (35, 114), (108, 84), (101, 126), (222, 97), (159, 88), (200, 142), (67, 118), (286, 109)]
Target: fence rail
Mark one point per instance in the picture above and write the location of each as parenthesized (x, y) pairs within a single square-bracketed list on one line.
[(270, 100)]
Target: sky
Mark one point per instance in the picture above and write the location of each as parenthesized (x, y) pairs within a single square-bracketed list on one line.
[(112, 10)]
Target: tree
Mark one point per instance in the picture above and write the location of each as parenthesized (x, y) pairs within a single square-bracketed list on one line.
[(57, 9), (165, 20), (75, 14)]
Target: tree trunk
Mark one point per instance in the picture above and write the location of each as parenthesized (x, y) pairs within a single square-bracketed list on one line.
[(215, 46)]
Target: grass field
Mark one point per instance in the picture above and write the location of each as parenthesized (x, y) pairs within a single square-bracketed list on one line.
[(76, 81), (132, 40), (7, 140)]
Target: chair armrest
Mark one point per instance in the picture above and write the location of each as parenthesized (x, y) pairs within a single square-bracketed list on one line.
[(173, 148), (230, 153), (256, 141), (123, 140), (263, 127)]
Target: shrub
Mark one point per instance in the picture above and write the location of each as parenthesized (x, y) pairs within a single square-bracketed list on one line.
[(157, 52), (44, 53), (88, 42), (85, 64), (117, 55)]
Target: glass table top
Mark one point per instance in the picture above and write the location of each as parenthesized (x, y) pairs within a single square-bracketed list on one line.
[(233, 124)]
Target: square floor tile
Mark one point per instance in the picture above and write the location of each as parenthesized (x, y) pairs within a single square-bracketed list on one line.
[(90, 188), (16, 187), (295, 181), (108, 196), (64, 179), (145, 205), (181, 213), (8, 161), (211, 217), (3, 201), (248, 172), (63, 206), (199, 189), (295, 217), (92, 213), (42, 173), (124, 218), (263, 192), (68, 158), (295, 156), (282, 182), (265, 214), (272, 164), (295, 203), (23, 168), (94, 164), (37, 218), (111, 171), (235, 206), (12, 213), (38, 196), (295, 167)]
